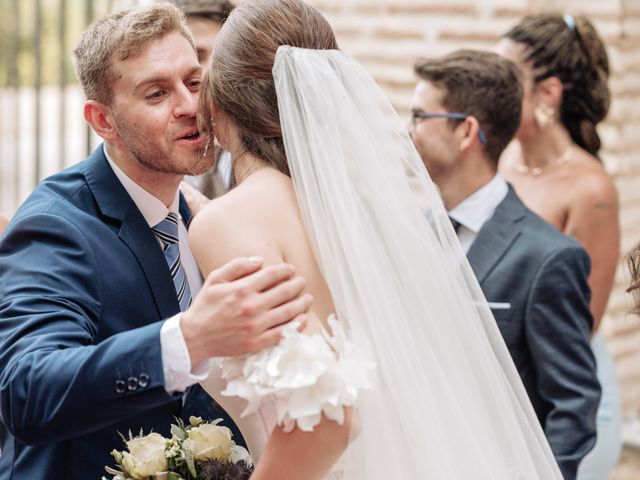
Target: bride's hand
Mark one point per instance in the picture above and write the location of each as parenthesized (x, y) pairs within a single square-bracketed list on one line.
[(194, 198)]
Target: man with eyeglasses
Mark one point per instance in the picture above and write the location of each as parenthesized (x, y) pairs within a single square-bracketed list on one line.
[(465, 110)]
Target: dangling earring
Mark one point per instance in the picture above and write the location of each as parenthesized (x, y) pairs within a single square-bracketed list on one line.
[(544, 115), (209, 141), (205, 150)]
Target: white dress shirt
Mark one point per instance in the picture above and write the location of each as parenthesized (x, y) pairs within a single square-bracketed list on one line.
[(476, 209), (176, 362)]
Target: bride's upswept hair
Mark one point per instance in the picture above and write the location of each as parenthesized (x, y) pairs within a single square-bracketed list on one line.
[(240, 82)]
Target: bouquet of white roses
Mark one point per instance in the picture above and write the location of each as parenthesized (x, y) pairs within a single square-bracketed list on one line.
[(198, 451)]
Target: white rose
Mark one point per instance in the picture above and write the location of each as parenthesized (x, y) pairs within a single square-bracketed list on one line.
[(240, 454), (146, 456), (211, 442)]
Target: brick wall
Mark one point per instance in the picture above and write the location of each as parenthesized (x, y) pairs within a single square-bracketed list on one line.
[(388, 35)]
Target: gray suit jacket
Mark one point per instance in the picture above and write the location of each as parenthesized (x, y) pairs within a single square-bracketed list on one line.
[(540, 277)]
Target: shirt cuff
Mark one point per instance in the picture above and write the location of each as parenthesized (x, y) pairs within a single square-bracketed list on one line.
[(176, 362)]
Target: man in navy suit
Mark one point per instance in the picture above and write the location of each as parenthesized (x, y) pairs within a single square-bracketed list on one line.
[(105, 321), (465, 110)]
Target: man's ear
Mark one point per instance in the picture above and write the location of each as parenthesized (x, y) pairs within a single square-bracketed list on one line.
[(469, 129), (99, 116), (549, 91)]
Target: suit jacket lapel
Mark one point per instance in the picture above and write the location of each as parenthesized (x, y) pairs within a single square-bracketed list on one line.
[(114, 202), (496, 235), (142, 242), (185, 213)]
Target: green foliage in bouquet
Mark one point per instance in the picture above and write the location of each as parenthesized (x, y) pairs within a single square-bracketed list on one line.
[(198, 451)]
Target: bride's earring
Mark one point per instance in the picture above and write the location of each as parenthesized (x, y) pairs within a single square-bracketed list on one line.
[(209, 141), (205, 150), (544, 115)]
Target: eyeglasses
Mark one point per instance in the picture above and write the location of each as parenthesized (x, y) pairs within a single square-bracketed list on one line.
[(452, 116)]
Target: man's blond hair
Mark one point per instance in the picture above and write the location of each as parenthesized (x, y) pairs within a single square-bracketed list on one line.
[(118, 37)]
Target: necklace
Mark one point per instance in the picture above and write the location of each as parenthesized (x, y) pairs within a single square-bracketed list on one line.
[(536, 171)]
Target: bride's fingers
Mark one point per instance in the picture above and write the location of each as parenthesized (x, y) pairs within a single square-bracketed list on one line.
[(286, 312), (236, 269), (193, 197)]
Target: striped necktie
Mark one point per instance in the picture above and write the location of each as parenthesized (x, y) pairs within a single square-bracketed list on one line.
[(167, 233)]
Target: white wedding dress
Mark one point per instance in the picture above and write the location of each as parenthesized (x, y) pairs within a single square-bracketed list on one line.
[(292, 372), (444, 400), (255, 427)]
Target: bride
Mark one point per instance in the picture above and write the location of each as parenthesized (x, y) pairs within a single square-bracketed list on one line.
[(410, 379)]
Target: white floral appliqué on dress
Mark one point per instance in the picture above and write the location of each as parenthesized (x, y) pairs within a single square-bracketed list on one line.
[(303, 376)]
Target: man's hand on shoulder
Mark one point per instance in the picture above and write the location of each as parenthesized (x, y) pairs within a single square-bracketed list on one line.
[(194, 198), (243, 308)]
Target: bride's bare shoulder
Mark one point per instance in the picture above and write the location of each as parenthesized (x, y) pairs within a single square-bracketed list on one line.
[(261, 196), (248, 220)]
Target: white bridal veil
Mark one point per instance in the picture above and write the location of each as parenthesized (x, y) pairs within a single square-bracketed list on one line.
[(447, 402)]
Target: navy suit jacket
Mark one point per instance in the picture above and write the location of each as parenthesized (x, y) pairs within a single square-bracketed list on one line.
[(540, 276), (84, 287)]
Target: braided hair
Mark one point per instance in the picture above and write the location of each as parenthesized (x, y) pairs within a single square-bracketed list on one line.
[(570, 49)]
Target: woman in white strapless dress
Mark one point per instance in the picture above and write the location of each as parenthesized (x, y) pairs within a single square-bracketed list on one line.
[(413, 379)]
